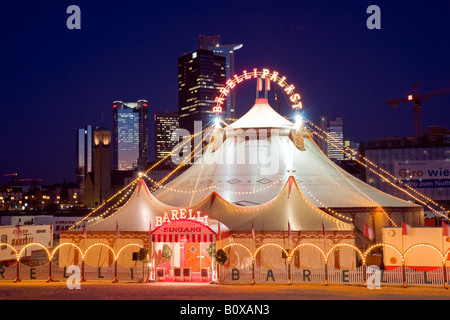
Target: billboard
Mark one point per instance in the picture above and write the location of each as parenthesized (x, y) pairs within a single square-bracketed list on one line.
[(21, 236), (424, 174)]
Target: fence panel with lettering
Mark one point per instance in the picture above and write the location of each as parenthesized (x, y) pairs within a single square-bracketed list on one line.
[(235, 275), (304, 275), (392, 276), (8, 272), (264, 275), (343, 276), (426, 277)]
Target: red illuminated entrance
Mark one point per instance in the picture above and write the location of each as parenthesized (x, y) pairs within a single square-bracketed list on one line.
[(188, 245)]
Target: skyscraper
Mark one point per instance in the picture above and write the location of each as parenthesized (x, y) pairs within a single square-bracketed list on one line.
[(336, 139), (84, 158), (213, 43), (165, 124), (130, 122), (98, 182), (200, 75), (102, 164), (323, 143)]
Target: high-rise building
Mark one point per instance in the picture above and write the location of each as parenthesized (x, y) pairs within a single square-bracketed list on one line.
[(98, 182), (336, 139), (165, 124), (323, 143), (84, 158), (102, 164), (200, 75), (130, 146), (212, 43)]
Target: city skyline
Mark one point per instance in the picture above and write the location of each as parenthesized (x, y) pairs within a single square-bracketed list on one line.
[(56, 80)]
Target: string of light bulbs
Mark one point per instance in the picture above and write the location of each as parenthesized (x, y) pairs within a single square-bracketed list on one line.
[(144, 174), (356, 188), (217, 188), (134, 181), (367, 161), (384, 177)]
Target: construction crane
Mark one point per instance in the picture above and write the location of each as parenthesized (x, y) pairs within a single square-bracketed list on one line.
[(417, 98)]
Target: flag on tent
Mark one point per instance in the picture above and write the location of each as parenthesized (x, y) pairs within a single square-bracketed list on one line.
[(291, 180), (18, 230), (368, 232), (253, 232), (406, 229), (267, 83), (289, 230), (445, 229), (84, 230), (117, 230), (323, 229), (259, 84), (150, 229), (51, 231), (218, 230)]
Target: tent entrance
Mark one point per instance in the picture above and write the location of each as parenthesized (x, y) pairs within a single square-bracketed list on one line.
[(182, 251)]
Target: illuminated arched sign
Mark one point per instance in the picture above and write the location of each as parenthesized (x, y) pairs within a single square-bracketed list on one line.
[(269, 76), (179, 214)]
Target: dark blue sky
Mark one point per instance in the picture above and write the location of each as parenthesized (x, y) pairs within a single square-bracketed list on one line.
[(55, 80)]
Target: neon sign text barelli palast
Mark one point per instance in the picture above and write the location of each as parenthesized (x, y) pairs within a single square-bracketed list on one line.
[(266, 74)]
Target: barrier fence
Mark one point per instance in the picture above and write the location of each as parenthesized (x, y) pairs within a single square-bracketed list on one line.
[(27, 272), (289, 274)]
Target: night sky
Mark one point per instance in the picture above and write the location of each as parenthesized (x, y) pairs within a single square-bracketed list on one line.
[(55, 80)]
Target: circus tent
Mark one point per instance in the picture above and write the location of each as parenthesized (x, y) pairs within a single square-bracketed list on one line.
[(288, 213), (262, 179), (250, 160)]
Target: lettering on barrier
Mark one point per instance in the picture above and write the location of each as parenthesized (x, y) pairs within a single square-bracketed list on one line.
[(306, 274), (32, 273), (270, 275), (235, 274), (345, 276)]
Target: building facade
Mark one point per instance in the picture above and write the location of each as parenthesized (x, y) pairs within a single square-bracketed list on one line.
[(423, 164), (130, 134), (84, 157), (200, 75), (212, 43), (165, 124), (98, 183), (336, 139)]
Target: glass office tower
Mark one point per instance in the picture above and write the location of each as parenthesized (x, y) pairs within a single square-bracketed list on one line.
[(212, 43), (165, 124), (130, 122), (200, 75)]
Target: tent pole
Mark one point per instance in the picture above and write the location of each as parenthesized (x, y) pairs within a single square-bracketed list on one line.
[(17, 279), (444, 269), (253, 271), (289, 273), (49, 279), (82, 271), (115, 272), (365, 274)]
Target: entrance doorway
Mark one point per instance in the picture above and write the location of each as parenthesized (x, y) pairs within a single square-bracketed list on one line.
[(182, 251), (197, 256)]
